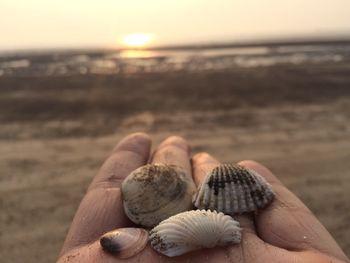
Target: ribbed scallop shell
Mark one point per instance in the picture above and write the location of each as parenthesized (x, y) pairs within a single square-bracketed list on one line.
[(125, 242), (155, 192), (233, 189), (194, 230)]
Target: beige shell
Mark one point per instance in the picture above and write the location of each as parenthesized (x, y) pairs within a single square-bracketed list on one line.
[(155, 192), (233, 189), (194, 230), (125, 242)]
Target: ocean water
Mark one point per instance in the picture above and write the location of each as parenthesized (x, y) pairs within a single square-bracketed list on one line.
[(62, 63)]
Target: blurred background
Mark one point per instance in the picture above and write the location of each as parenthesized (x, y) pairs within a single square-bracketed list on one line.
[(265, 80)]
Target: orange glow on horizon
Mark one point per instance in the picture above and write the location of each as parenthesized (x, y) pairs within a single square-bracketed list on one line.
[(138, 40)]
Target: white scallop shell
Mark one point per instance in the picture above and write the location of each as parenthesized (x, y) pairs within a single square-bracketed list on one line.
[(194, 230), (155, 192), (233, 189), (125, 242)]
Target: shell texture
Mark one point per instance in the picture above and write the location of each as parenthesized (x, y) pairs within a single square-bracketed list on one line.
[(155, 192), (192, 230), (233, 189), (125, 242)]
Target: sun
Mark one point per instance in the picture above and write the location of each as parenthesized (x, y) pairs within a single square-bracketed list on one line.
[(139, 40)]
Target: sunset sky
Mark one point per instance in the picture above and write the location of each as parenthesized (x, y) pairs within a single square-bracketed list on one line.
[(106, 23)]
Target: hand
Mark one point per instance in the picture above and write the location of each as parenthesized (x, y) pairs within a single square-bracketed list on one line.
[(286, 231)]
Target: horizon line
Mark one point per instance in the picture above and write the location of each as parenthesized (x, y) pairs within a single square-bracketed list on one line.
[(270, 42)]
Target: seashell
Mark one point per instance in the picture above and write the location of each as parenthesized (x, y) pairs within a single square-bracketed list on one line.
[(155, 192), (233, 189), (125, 242), (194, 230)]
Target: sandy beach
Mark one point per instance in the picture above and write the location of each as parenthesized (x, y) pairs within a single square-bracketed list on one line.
[(56, 131)]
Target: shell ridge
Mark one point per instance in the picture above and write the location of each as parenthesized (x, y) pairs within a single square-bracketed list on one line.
[(209, 227), (267, 192), (233, 189), (248, 189), (221, 194), (187, 228)]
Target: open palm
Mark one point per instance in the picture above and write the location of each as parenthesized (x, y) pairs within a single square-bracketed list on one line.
[(286, 231)]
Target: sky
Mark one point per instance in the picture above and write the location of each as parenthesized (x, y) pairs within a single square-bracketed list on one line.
[(36, 24)]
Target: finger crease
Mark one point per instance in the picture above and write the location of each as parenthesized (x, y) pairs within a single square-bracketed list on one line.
[(112, 182)]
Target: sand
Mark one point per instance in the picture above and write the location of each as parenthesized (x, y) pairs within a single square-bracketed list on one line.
[(56, 132)]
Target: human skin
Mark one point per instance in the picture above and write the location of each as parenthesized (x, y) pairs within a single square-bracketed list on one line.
[(286, 231)]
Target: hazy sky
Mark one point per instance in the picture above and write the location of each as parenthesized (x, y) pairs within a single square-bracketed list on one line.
[(88, 23)]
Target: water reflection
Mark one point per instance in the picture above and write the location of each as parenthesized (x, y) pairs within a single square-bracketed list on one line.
[(137, 54)]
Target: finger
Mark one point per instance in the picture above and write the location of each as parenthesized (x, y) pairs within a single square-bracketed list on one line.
[(174, 151), (288, 223), (101, 209), (202, 164)]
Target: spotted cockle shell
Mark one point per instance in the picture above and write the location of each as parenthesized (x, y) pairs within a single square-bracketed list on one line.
[(233, 189), (155, 192), (194, 230), (125, 242)]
